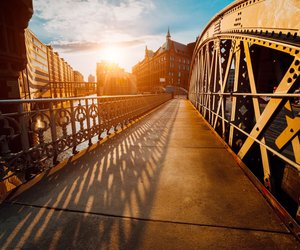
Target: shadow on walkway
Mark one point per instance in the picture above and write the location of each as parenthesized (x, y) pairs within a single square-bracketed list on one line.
[(118, 179), (166, 182)]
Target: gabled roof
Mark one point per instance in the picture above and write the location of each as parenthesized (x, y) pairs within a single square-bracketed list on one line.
[(150, 53), (162, 49), (178, 47)]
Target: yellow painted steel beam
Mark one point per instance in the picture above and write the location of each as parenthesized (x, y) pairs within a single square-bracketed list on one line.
[(263, 150), (254, 15), (237, 59)]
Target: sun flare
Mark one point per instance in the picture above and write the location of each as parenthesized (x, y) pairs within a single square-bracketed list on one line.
[(112, 54)]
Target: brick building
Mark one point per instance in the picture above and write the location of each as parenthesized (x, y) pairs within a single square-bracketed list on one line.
[(59, 69), (34, 80), (78, 77), (44, 66), (169, 65)]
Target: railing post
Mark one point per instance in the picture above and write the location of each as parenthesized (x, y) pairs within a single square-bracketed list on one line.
[(23, 128), (50, 89), (99, 118), (88, 122), (73, 126), (55, 90), (69, 92), (24, 123), (65, 89), (53, 133)]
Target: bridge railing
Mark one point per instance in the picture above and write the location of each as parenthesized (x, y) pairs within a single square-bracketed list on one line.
[(72, 89), (42, 130)]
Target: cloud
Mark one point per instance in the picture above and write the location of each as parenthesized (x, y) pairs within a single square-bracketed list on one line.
[(91, 20), (70, 47)]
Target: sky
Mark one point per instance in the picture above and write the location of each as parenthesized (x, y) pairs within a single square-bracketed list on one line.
[(85, 32)]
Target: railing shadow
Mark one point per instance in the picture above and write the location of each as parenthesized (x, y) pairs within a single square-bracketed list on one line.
[(100, 201)]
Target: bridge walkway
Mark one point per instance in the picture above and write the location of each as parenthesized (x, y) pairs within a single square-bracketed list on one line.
[(166, 182)]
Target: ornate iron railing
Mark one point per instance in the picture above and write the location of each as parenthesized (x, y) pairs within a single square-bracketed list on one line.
[(245, 82), (43, 129)]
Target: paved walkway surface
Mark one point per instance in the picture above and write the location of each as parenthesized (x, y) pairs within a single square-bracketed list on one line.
[(166, 182)]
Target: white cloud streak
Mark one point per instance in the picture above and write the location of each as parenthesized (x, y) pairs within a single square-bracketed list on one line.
[(92, 20)]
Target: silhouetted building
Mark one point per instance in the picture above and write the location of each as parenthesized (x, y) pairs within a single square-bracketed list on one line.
[(169, 65), (113, 80), (91, 78), (15, 15)]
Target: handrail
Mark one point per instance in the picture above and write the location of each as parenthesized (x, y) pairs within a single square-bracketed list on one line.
[(68, 98)]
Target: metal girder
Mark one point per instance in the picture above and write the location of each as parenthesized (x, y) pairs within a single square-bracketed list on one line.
[(265, 17), (263, 150), (222, 82)]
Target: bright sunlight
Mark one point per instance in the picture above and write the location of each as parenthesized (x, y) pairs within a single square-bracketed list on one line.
[(112, 53)]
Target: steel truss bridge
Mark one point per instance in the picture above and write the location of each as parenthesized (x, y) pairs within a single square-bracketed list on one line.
[(244, 81)]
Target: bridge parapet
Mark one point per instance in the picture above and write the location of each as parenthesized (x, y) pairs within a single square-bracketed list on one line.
[(72, 89), (43, 129), (244, 80)]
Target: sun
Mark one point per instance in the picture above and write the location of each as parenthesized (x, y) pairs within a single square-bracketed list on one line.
[(112, 54)]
